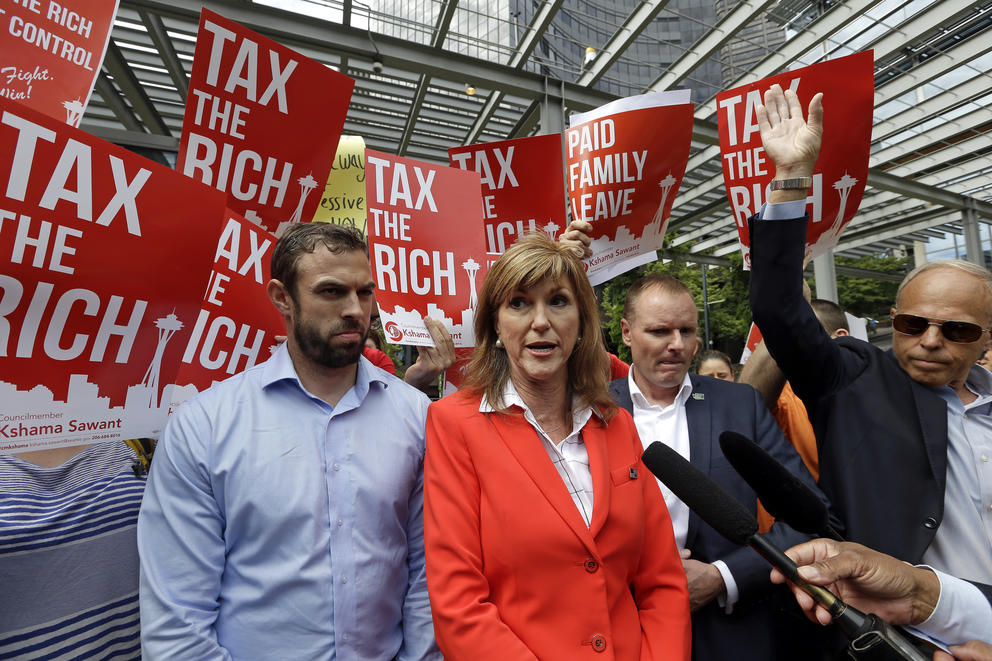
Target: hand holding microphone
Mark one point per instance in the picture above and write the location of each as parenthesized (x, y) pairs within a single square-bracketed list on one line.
[(895, 591), (869, 635)]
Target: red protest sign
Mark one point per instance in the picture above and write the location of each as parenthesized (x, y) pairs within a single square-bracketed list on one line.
[(425, 239), (52, 53), (255, 127), (103, 259), (625, 161), (848, 90), (522, 188), (753, 339), (237, 324)]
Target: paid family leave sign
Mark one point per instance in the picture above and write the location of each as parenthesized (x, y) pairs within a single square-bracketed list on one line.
[(103, 260), (624, 164), (848, 90), (426, 241), (52, 53), (262, 123), (522, 188), (237, 324)]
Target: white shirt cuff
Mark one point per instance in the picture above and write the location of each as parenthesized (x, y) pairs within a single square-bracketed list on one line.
[(727, 602), (782, 210), (962, 612)]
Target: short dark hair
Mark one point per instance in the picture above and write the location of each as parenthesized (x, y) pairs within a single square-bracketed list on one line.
[(303, 238), (830, 314), (668, 284)]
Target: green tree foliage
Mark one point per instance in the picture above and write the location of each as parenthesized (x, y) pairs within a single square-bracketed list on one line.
[(727, 290), (867, 297)]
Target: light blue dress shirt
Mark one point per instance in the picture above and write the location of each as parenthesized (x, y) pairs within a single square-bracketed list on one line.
[(277, 527), (962, 545)]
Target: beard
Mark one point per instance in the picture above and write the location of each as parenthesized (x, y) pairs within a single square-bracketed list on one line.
[(318, 348)]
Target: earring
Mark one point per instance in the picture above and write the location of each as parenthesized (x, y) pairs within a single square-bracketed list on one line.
[(578, 340), (499, 343)]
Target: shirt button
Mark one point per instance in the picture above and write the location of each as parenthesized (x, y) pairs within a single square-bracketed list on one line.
[(345, 638), (344, 579), (599, 643), (930, 523), (340, 522), (591, 565), (337, 467)]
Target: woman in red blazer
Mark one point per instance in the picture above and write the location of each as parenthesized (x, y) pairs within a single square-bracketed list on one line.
[(546, 538)]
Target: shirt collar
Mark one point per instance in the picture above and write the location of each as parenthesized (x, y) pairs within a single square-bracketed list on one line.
[(580, 416), (280, 368), (637, 396), (979, 381)]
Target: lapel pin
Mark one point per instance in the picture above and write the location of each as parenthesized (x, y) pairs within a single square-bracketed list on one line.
[(698, 395)]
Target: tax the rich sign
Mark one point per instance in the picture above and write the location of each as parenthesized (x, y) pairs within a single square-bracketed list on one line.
[(522, 189), (262, 122), (848, 90), (103, 260), (426, 240), (52, 53), (624, 164), (237, 324)]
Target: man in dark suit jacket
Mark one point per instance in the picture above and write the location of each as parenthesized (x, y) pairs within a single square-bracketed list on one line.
[(689, 413), (903, 436)]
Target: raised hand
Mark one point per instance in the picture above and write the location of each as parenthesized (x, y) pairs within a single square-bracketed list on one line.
[(791, 143)]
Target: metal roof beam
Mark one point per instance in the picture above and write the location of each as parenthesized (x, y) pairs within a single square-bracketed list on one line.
[(947, 129), (117, 66), (932, 107), (621, 40), (136, 138), (532, 37), (440, 33), (163, 43), (840, 15), (117, 105), (711, 42), (290, 28)]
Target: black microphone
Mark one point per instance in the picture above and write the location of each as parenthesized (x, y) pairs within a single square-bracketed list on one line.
[(730, 519), (784, 495)]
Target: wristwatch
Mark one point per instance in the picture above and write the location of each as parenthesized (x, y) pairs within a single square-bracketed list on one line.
[(798, 183)]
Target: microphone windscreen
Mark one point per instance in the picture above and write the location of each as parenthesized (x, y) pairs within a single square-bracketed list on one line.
[(783, 494), (700, 493)]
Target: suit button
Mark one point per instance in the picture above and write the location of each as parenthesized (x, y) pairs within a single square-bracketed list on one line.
[(591, 565), (930, 523), (599, 643)]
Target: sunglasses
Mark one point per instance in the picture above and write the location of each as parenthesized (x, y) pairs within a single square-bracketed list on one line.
[(962, 332)]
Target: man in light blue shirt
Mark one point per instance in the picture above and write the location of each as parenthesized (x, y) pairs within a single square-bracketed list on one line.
[(283, 513)]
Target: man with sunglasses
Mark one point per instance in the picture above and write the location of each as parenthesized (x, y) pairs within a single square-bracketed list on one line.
[(905, 437)]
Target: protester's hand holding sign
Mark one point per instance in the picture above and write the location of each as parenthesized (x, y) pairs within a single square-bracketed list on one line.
[(431, 361), (577, 234)]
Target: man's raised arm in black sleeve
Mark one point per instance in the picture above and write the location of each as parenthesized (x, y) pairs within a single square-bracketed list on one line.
[(811, 361)]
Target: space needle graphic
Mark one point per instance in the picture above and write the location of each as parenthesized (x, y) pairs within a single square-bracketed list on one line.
[(472, 269), (307, 186), (73, 112), (551, 229), (167, 327), (666, 187)]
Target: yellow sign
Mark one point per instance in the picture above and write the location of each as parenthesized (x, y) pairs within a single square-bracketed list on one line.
[(343, 201)]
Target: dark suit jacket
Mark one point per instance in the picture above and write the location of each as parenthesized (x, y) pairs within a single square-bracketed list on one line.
[(714, 407), (882, 437)]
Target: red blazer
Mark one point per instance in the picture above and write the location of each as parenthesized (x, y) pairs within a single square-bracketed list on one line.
[(512, 570)]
